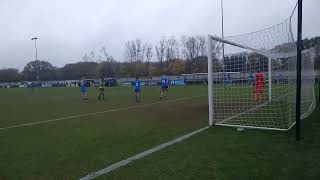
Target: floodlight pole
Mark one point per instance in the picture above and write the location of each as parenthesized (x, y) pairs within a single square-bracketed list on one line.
[(299, 48), (35, 46)]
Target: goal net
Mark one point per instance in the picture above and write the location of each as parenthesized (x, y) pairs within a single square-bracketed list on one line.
[(253, 79)]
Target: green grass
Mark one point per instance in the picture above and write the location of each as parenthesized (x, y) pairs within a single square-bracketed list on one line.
[(71, 148), (74, 147), (23, 106), (224, 153)]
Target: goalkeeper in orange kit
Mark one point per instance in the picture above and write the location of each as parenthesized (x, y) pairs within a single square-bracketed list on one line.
[(259, 83)]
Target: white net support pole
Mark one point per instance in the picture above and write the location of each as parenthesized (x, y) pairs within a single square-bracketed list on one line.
[(270, 79), (210, 80)]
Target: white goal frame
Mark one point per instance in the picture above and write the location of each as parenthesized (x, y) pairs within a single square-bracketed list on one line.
[(267, 54)]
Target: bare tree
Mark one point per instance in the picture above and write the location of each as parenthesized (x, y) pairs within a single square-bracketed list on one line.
[(189, 47), (194, 50), (202, 45), (92, 56), (215, 53), (140, 50), (193, 47), (138, 45), (215, 49), (107, 56), (161, 50), (99, 58), (135, 53), (103, 50), (135, 50), (149, 52), (172, 49), (149, 55), (130, 51), (85, 57)]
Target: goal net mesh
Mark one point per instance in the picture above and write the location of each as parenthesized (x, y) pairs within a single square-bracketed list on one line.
[(254, 79)]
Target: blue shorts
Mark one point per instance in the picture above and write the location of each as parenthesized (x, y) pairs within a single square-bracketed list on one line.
[(136, 90), (83, 90), (164, 87)]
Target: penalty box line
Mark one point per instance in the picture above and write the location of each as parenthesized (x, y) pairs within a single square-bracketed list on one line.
[(95, 113), (143, 154)]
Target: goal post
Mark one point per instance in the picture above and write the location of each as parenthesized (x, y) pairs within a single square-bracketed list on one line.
[(210, 81), (270, 79), (233, 98)]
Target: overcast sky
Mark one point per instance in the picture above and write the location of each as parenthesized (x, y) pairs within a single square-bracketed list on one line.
[(69, 28)]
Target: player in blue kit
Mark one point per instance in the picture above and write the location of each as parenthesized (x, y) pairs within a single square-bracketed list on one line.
[(250, 79), (83, 89), (137, 89), (164, 87), (279, 78), (227, 80)]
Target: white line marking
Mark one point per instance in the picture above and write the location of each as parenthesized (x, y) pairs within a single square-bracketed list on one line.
[(95, 113), (140, 155)]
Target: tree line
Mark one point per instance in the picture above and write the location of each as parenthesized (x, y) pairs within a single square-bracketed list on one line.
[(170, 56)]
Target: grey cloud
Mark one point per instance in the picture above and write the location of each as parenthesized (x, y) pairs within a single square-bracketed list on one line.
[(68, 29)]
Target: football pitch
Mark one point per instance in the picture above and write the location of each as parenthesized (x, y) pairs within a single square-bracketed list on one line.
[(52, 134)]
